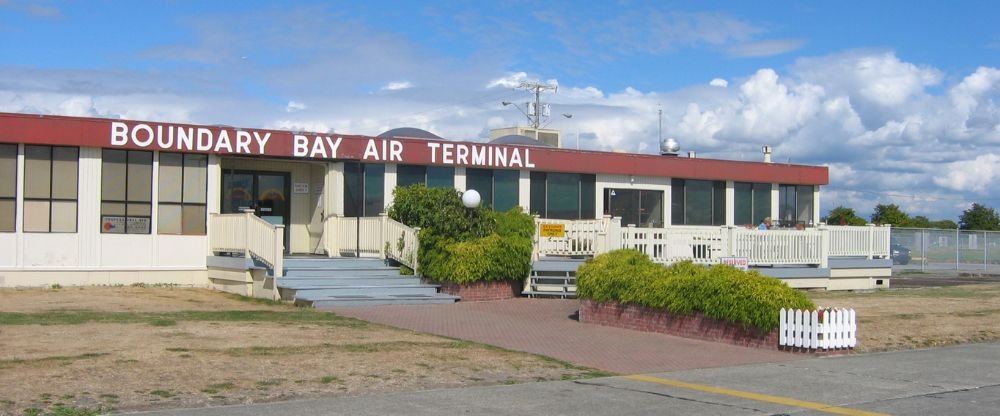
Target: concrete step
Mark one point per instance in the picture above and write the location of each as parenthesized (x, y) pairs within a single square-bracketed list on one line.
[(338, 301), (340, 272), (547, 264), (305, 282), (334, 262), (386, 290)]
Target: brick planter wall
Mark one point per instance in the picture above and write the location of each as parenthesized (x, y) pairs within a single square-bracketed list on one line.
[(493, 290), (696, 326)]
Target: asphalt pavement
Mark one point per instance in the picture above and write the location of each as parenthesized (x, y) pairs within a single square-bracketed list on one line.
[(960, 380)]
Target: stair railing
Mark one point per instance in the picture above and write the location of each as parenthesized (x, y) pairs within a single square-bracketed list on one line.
[(401, 242), (250, 236)]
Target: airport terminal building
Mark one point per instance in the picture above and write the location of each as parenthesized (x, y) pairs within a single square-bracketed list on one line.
[(103, 201)]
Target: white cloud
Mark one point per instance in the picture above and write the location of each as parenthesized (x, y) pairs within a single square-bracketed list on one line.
[(719, 82), (397, 85), (976, 175), (512, 80), (294, 106)]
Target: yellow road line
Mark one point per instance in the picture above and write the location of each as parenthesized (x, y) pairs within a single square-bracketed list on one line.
[(786, 401)]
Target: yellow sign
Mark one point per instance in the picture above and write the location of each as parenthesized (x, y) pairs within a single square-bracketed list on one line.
[(553, 230)]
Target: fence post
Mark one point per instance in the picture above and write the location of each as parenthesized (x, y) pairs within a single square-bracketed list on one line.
[(870, 236), (383, 233), (248, 214), (958, 243), (824, 247), (614, 233)]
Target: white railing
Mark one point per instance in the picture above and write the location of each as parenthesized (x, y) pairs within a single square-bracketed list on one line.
[(868, 241), (829, 329), (581, 237), (372, 237), (706, 244), (777, 246), (702, 245), (401, 243), (251, 236)]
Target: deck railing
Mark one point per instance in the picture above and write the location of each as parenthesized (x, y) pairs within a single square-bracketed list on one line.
[(251, 236), (706, 244), (869, 241)]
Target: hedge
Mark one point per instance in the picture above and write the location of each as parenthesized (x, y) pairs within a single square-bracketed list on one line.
[(721, 292), (461, 245)]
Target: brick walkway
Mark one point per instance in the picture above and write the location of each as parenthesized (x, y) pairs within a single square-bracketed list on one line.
[(545, 326)]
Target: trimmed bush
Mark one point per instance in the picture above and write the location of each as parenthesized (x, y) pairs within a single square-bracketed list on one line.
[(459, 245), (721, 292)]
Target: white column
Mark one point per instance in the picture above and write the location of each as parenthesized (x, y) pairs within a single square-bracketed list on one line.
[(668, 203), (389, 185), (88, 220), (816, 210), (730, 203), (19, 208), (775, 193), (334, 192), (460, 182), (524, 190)]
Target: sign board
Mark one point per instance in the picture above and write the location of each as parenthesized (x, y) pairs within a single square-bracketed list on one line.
[(113, 225), (300, 188), (741, 263), (553, 230), (135, 225)]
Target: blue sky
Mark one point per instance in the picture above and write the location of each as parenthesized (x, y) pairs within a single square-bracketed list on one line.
[(897, 98)]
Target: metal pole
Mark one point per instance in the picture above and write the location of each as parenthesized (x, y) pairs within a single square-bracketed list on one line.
[(958, 237), (985, 254)]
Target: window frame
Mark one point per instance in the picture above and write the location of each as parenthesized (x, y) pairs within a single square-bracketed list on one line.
[(183, 203), (15, 178), (51, 199), (127, 201)]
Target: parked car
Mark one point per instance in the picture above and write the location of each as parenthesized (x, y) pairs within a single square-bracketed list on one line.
[(900, 253)]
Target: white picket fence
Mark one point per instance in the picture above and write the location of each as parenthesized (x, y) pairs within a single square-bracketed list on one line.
[(825, 329)]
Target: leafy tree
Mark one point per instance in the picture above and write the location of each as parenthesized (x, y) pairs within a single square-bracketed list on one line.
[(945, 224), (843, 216), (980, 217), (890, 214), (920, 221)]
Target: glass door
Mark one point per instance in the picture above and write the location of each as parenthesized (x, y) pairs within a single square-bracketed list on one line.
[(264, 192)]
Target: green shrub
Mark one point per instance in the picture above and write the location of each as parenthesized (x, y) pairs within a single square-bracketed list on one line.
[(439, 209), (720, 292), (462, 245)]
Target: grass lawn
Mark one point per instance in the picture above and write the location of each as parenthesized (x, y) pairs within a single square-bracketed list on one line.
[(895, 319), (76, 351)]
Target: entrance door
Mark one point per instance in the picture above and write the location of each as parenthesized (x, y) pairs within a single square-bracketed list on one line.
[(267, 193)]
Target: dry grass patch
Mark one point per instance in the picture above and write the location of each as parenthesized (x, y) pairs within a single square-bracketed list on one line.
[(895, 319), (109, 348)]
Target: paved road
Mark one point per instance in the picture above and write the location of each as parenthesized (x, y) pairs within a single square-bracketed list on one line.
[(963, 380)]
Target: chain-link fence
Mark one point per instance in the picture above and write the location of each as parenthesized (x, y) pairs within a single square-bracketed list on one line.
[(927, 249)]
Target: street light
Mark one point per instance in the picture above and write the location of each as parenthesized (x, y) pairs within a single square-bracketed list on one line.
[(568, 116)]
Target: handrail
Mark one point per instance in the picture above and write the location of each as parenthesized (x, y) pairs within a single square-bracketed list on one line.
[(251, 236), (405, 247)]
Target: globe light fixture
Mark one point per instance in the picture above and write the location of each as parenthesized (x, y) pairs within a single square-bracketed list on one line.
[(471, 198)]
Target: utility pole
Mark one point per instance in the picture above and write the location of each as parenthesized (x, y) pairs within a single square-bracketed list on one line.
[(537, 87)]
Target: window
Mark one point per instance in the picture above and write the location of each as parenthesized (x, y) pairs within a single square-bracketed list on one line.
[(126, 191), (50, 188), (182, 189), (431, 176), (642, 208), (795, 205), (753, 202), (697, 202), (370, 200), (498, 188), (568, 196), (8, 186)]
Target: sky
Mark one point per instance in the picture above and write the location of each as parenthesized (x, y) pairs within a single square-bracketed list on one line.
[(897, 98)]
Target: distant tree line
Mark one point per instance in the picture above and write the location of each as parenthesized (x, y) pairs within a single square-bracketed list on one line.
[(977, 217)]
